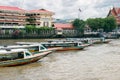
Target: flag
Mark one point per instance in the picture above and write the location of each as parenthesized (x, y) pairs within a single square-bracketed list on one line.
[(79, 9)]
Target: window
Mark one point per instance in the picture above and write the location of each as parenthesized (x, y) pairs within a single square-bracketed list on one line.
[(42, 48), (20, 55), (45, 24), (27, 54)]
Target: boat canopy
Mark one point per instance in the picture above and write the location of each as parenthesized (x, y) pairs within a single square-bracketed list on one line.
[(8, 51), (21, 46)]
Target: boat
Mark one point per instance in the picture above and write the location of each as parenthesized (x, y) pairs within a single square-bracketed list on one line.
[(63, 45), (15, 57), (100, 41), (31, 48), (90, 41)]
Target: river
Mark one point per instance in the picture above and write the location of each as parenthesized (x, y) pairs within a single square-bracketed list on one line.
[(98, 62)]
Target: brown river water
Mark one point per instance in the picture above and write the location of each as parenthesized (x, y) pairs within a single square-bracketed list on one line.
[(98, 62)]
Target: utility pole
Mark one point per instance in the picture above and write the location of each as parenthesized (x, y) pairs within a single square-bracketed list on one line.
[(79, 11)]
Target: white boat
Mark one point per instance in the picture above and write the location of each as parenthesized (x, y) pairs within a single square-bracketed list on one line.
[(14, 57), (62, 45), (31, 48)]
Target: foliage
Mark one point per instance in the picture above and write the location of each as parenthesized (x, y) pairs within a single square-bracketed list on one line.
[(41, 29), (107, 24), (7, 32), (22, 32), (33, 29), (30, 28), (79, 25), (45, 28), (110, 24)]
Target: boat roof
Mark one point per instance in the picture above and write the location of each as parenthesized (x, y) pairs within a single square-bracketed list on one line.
[(8, 51), (19, 46), (49, 42)]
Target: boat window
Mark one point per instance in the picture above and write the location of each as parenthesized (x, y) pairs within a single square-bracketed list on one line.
[(5, 57), (72, 44), (20, 55), (46, 45), (35, 48), (75, 44), (27, 54), (11, 56), (42, 48), (80, 43)]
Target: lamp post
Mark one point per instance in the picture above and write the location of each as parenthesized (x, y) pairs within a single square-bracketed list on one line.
[(79, 11)]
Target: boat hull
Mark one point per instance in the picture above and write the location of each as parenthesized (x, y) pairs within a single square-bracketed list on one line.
[(106, 41), (23, 61), (100, 42), (70, 48)]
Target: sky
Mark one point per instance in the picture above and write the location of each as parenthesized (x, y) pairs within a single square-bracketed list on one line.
[(67, 9)]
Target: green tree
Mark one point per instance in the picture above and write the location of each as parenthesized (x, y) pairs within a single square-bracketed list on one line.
[(30, 28), (79, 25), (107, 24), (93, 23), (45, 28)]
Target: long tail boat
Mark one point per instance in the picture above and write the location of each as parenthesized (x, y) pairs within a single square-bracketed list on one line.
[(65, 45), (31, 48), (100, 41), (15, 57)]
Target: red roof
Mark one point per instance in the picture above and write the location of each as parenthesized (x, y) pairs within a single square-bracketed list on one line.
[(10, 8), (63, 26), (41, 11), (117, 10), (116, 13)]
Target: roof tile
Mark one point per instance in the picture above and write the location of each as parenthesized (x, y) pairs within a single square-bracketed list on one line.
[(63, 26), (41, 11), (10, 8)]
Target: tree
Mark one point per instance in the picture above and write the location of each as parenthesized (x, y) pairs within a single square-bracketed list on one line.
[(30, 28), (95, 24), (107, 24), (79, 25)]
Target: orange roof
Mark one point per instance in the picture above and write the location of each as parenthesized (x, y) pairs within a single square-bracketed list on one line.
[(10, 8), (63, 26)]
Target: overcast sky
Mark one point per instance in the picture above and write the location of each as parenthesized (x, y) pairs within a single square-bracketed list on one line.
[(66, 9)]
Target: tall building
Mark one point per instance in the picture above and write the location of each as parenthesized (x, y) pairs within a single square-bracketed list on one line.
[(40, 18), (115, 12), (12, 16)]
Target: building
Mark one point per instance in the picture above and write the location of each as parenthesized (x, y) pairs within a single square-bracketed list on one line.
[(63, 26), (11, 17), (115, 12), (65, 29), (40, 18)]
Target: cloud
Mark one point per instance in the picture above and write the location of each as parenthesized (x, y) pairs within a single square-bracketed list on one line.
[(67, 8)]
